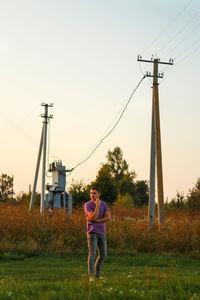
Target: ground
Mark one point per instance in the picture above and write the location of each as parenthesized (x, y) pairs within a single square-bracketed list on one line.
[(144, 276)]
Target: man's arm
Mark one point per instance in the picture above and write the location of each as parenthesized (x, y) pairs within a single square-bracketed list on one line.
[(106, 218), (93, 215)]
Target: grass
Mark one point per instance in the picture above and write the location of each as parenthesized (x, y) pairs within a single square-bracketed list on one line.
[(144, 276)]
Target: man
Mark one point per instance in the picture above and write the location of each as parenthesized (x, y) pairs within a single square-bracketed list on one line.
[(97, 214)]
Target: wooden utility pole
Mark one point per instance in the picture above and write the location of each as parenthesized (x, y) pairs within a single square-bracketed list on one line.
[(161, 211), (151, 206), (156, 153)]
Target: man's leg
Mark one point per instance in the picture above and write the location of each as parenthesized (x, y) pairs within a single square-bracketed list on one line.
[(92, 246), (102, 251)]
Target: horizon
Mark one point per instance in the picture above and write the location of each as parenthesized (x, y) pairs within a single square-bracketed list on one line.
[(83, 58)]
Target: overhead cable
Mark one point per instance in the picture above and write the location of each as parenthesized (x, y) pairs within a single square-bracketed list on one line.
[(22, 131), (188, 48), (115, 125), (15, 126), (190, 53), (178, 33), (168, 25)]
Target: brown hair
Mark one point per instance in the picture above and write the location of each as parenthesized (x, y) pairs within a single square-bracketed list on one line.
[(94, 187)]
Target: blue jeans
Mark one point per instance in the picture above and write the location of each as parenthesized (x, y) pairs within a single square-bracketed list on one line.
[(96, 241)]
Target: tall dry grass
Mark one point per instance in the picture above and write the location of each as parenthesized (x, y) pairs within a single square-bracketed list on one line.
[(24, 232)]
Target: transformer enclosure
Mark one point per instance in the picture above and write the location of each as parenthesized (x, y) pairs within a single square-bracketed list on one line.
[(56, 196)]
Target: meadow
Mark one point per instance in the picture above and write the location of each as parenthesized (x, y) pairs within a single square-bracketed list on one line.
[(46, 258), (53, 277), (30, 233)]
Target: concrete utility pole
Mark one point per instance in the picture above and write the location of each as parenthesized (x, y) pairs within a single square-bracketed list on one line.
[(151, 206), (156, 154), (42, 147)]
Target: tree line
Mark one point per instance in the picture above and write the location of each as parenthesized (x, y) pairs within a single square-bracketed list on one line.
[(117, 183), (190, 201)]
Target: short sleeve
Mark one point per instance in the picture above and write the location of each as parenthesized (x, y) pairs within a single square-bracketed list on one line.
[(106, 210), (87, 208)]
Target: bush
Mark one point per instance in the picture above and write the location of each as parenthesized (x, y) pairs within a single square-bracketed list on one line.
[(80, 193), (124, 201)]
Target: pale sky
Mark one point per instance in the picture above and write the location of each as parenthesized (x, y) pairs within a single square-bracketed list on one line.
[(81, 55)]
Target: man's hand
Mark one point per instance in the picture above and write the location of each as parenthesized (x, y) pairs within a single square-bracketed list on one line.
[(92, 216)]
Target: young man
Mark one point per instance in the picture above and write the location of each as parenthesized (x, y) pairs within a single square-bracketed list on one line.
[(97, 214)]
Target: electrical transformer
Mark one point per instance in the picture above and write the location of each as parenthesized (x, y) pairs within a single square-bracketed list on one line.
[(57, 196)]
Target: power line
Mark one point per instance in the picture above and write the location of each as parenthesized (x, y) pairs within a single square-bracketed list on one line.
[(169, 24), (11, 134), (181, 30), (193, 51), (143, 72), (115, 125), (23, 122), (186, 56), (188, 48), (181, 60), (15, 126), (183, 39), (21, 131)]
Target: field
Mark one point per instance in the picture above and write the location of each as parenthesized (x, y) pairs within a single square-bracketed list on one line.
[(127, 232), (51, 277), (46, 258)]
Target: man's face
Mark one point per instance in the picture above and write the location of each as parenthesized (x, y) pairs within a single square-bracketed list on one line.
[(94, 195)]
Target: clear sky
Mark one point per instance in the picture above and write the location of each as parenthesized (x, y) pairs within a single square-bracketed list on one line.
[(82, 56)]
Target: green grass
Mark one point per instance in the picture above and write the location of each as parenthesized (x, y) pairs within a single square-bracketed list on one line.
[(51, 277)]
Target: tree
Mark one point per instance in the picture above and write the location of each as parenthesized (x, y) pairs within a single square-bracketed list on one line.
[(193, 198), (141, 194), (107, 184), (6, 187), (178, 201), (117, 182), (80, 193), (127, 186), (118, 167)]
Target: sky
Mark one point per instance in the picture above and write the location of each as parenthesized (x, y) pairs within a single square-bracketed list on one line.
[(81, 55)]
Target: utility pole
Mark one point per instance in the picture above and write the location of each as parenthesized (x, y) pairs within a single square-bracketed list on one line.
[(156, 153), (12, 186), (42, 147), (151, 206)]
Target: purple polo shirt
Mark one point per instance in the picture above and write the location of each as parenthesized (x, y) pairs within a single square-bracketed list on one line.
[(98, 228)]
